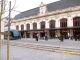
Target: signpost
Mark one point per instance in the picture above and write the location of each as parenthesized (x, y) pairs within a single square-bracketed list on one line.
[(4, 33)]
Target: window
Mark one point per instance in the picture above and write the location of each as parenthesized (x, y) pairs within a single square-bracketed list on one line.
[(22, 27), (27, 26), (34, 25), (42, 25), (76, 21), (17, 27), (52, 24), (63, 22)]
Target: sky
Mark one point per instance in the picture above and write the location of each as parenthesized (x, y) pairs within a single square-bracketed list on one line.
[(23, 5)]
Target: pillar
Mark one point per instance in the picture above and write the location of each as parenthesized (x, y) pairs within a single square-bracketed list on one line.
[(48, 34), (58, 32), (31, 35), (39, 35), (20, 34), (71, 32), (25, 34)]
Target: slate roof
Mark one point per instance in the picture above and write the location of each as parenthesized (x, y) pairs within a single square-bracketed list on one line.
[(62, 4), (27, 13)]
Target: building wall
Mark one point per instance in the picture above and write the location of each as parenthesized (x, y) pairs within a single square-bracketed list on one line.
[(57, 21), (44, 15)]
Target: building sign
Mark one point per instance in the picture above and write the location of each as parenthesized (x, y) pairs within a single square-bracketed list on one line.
[(45, 30)]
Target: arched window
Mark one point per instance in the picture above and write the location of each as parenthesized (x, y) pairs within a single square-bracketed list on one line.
[(22, 27), (52, 24), (27, 26), (17, 27), (42, 24), (63, 22), (76, 21), (34, 25)]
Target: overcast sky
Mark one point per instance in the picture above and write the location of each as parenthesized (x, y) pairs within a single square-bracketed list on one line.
[(23, 5)]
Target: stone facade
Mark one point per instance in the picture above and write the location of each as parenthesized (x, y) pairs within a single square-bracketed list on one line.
[(45, 16)]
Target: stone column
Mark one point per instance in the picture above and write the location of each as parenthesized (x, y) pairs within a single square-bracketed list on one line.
[(69, 22), (39, 35), (20, 33), (19, 27), (38, 25), (24, 26), (71, 32), (58, 32), (68, 32), (48, 34), (25, 34), (31, 35)]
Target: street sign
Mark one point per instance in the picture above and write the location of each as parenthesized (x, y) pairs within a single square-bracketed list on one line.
[(4, 33)]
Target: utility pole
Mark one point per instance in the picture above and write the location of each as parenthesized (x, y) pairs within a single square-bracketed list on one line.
[(1, 11), (8, 42)]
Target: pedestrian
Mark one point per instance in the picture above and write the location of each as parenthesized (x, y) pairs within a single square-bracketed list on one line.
[(56, 36), (71, 37), (76, 37), (36, 38), (61, 38), (46, 38)]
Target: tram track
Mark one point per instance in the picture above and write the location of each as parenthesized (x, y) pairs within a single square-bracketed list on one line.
[(62, 50)]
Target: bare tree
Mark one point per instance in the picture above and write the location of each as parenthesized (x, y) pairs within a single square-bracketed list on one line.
[(3, 4)]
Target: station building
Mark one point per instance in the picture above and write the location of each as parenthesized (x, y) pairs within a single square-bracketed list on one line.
[(57, 18)]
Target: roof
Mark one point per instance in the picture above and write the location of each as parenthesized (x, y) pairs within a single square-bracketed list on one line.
[(62, 4), (27, 13)]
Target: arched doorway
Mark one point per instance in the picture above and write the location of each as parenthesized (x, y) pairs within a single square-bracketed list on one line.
[(22, 29), (28, 28), (34, 28), (76, 25), (42, 26), (63, 24), (51, 26)]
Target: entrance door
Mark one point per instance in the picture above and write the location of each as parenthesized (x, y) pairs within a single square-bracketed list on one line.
[(34, 35), (22, 34), (28, 35), (42, 34), (52, 33), (64, 33), (76, 32)]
